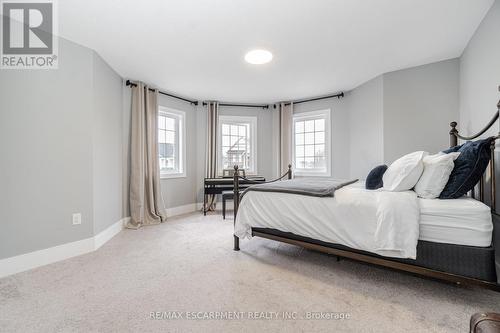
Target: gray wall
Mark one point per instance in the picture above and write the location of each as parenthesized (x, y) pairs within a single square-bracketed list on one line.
[(106, 145), (366, 127), (480, 78), (60, 142), (46, 149), (400, 112), (419, 104), (480, 75)]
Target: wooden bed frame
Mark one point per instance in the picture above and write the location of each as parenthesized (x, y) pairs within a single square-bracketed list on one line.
[(488, 177)]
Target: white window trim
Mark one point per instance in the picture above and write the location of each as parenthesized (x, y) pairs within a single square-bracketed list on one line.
[(253, 129), (308, 115), (182, 143)]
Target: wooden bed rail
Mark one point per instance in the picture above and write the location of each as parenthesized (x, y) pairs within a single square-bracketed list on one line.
[(236, 195)]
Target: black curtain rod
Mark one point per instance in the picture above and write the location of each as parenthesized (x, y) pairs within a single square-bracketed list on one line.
[(132, 84), (264, 106), (339, 95)]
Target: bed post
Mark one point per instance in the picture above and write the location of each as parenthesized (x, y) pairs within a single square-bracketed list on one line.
[(289, 171), (453, 134), (236, 201)]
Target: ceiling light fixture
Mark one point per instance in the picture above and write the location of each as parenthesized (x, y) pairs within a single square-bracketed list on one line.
[(258, 57)]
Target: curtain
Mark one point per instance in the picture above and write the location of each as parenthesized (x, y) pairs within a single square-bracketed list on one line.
[(285, 118), (146, 202), (211, 149)]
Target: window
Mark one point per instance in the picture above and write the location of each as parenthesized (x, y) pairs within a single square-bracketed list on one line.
[(311, 143), (237, 143), (171, 138)]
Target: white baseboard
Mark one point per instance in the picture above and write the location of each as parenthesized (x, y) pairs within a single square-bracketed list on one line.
[(27, 261), (104, 236), (179, 210), (44, 257)]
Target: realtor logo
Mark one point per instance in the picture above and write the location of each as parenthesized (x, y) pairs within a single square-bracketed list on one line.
[(29, 38)]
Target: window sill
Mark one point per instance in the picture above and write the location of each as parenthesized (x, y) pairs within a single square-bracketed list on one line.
[(247, 174), (172, 175), (311, 174)]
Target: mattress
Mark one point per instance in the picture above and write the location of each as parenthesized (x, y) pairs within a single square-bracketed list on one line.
[(463, 221)]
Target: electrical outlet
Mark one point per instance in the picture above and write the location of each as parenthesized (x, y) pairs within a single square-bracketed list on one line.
[(77, 218)]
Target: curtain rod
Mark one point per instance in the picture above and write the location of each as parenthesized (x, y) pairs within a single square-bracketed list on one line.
[(264, 106), (339, 95), (132, 84)]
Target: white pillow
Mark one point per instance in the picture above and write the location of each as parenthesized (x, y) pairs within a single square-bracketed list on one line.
[(437, 170), (404, 173)]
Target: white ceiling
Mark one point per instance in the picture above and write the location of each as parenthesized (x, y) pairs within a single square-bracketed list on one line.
[(196, 47)]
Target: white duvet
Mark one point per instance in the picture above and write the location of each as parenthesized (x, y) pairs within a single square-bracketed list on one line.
[(385, 223)]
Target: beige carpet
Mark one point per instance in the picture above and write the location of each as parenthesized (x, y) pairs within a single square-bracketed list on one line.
[(188, 265)]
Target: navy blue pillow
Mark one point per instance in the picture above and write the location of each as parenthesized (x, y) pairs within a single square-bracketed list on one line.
[(374, 178), (454, 149), (469, 167)]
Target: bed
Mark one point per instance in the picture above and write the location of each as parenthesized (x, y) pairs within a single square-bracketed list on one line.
[(451, 239)]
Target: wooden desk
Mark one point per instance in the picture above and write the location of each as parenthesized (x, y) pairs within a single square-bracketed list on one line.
[(217, 185)]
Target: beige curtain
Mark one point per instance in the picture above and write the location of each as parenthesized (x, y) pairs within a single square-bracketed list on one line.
[(285, 119), (146, 202), (211, 149)]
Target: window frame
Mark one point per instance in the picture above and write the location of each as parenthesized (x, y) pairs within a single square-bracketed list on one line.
[(313, 115), (181, 141), (227, 119)]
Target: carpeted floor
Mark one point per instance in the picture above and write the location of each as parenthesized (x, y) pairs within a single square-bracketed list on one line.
[(188, 265)]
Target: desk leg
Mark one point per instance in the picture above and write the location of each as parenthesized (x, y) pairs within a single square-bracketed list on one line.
[(204, 204), (236, 243)]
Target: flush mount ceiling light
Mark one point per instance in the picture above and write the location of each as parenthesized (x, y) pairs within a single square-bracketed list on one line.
[(258, 57)]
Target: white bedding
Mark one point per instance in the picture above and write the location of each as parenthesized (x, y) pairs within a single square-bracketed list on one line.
[(462, 221), (386, 223)]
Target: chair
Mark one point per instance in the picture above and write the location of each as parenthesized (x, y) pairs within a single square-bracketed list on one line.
[(485, 323), (226, 195)]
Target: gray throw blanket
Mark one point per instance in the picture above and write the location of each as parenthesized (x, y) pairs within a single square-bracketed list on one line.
[(315, 187)]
